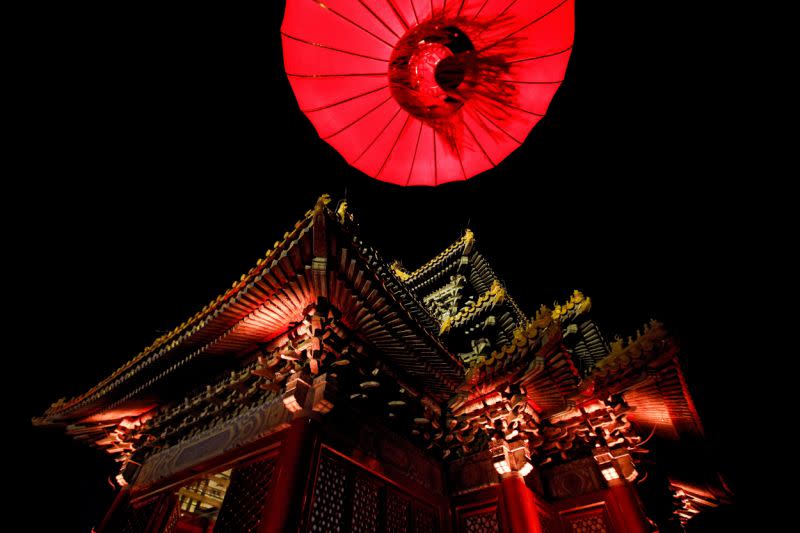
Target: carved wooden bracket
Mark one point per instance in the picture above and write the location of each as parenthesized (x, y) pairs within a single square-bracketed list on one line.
[(323, 394), (296, 393), (317, 396)]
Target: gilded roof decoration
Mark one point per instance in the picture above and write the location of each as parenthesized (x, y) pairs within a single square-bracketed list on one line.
[(633, 353), (485, 301), (576, 305), (528, 335), (525, 338), (462, 243), (401, 273)]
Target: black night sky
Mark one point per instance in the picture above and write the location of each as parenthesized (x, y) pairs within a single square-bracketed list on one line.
[(175, 155)]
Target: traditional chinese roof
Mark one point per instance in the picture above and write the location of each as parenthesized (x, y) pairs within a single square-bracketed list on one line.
[(437, 266), (691, 499), (581, 333), (380, 302), (473, 310), (536, 359), (554, 373), (646, 371), (320, 256), (454, 258), (461, 290)]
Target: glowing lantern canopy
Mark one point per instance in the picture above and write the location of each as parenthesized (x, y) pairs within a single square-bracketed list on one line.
[(423, 92)]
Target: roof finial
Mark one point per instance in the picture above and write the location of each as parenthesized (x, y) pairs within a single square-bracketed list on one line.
[(342, 213), (401, 273), (322, 201)]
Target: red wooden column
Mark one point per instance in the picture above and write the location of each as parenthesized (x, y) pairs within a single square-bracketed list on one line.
[(624, 497), (293, 466), (518, 505), (292, 470)]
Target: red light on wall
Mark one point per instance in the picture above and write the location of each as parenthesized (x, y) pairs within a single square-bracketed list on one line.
[(424, 92)]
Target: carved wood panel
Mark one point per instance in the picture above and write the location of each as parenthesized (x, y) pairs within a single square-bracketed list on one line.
[(348, 498), (245, 498), (471, 472), (398, 457), (425, 520), (327, 508), (249, 426), (481, 522), (592, 520), (573, 479), (366, 499), (396, 512)]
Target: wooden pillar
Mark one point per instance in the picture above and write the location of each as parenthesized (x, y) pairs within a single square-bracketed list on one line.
[(624, 498), (518, 505), (121, 500), (285, 503)]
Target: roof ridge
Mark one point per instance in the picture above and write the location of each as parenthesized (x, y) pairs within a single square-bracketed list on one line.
[(521, 316), (468, 237), (493, 296), (393, 268)]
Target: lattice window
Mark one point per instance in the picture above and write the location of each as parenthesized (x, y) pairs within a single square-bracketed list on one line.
[(327, 509), (482, 523), (589, 523), (397, 507), (365, 506), (424, 520), (245, 497), (348, 498)]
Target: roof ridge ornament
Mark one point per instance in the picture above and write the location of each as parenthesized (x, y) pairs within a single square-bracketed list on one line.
[(399, 271), (577, 304)]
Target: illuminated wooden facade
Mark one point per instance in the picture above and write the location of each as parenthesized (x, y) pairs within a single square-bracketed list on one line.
[(329, 390)]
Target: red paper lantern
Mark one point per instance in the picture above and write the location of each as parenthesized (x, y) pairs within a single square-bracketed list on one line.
[(424, 92)]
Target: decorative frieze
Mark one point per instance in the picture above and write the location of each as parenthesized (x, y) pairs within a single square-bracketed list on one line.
[(255, 423)]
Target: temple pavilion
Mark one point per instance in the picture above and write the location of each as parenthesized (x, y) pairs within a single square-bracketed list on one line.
[(329, 389)]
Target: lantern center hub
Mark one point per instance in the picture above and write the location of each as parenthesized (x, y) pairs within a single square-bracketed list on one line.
[(428, 71)]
